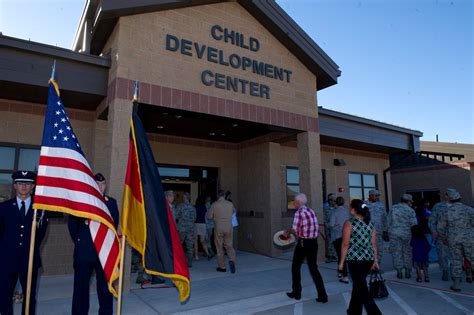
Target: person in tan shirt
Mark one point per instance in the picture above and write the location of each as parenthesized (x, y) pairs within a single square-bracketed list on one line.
[(221, 212)]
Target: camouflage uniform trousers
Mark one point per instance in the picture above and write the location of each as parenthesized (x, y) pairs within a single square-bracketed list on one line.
[(401, 252), (187, 237), (443, 255), (458, 252), (379, 249), (330, 250)]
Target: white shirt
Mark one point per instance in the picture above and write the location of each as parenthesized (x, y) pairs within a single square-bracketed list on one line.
[(27, 203)]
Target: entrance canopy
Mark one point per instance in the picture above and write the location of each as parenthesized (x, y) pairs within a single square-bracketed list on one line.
[(168, 121)]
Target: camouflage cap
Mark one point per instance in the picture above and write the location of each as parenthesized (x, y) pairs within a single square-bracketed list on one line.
[(407, 197), (332, 197), (452, 194), (374, 192)]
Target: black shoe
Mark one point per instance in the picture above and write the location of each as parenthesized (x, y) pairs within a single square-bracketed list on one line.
[(221, 269), (232, 267), (292, 295), (322, 300)]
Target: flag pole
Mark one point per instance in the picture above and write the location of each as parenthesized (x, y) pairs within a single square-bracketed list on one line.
[(33, 236), (121, 264), (30, 263)]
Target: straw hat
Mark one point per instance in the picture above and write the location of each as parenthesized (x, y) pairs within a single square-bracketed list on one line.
[(280, 240)]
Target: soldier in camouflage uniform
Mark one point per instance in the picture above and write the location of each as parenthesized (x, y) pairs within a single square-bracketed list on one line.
[(399, 222), (185, 218), (457, 228), (378, 216), (442, 249), (327, 210)]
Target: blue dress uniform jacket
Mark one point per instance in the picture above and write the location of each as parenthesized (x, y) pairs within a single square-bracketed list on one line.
[(86, 261), (15, 235), (84, 249)]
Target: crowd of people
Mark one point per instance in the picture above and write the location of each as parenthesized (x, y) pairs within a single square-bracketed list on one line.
[(412, 231), (205, 226), (354, 237)]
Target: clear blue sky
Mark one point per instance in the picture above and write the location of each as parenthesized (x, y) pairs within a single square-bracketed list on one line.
[(404, 62)]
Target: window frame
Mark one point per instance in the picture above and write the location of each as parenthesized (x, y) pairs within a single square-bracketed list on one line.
[(17, 147), (362, 187), (287, 183)]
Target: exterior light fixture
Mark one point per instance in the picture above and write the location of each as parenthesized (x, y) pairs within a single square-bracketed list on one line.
[(339, 162), (212, 133)]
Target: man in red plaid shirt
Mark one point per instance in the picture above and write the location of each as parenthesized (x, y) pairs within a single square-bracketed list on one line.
[(305, 227)]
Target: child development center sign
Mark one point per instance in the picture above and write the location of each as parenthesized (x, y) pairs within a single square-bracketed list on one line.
[(233, 60)]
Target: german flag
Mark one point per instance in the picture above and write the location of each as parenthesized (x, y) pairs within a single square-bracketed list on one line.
[(147, 222)]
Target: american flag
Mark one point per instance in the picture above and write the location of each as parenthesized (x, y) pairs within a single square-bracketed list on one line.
[(65, 183)]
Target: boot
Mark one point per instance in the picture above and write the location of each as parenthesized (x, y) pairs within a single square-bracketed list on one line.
[(407, 273), (399, 273), (456, 285), (140, 278), (469, 275), (445, 276)]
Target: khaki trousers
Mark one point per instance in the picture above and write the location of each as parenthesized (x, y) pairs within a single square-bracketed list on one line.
[(223, 239)]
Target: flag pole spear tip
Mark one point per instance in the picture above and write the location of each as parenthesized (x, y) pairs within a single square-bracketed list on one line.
[(135, 92), (53, 71)]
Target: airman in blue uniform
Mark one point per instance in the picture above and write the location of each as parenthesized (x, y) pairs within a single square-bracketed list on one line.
[(86, 260), (16, 219)]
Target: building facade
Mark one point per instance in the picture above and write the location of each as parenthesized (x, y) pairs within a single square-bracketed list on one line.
[(228, 96)]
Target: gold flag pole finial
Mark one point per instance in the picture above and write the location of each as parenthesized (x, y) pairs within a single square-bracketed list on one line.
[(135, 92)]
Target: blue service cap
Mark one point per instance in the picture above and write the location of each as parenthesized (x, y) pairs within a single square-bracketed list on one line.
[(24, 177), (99, 177)]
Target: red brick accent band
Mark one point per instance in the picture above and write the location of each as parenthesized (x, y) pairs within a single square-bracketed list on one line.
[(179, 99), (40, 109)]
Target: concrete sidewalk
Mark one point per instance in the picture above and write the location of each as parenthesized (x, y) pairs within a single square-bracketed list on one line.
[(259, 286)]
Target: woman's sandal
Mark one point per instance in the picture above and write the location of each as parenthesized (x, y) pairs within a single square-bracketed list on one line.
[(427, 279)]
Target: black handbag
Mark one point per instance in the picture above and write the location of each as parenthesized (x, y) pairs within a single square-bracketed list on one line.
[(377, 288)]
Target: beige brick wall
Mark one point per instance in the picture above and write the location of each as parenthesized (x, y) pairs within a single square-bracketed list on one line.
[(459, 178), (337, 176), (139, 51), (356, 161), (188, 155), (22, 123)]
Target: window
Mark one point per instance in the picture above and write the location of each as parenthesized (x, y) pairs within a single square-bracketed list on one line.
[(360, 184), (173, 171), (292, 186), (15, 157)]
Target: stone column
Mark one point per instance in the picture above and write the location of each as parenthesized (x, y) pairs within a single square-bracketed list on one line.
[(259, 197), (118, 138), (274, 163), (309, 158)]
